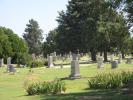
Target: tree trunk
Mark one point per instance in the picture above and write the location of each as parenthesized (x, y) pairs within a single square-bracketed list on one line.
[(93, 55), (101, 54), (105, 56), (123, 55)]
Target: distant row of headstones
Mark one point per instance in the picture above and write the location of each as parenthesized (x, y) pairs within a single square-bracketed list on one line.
[(75, 72)]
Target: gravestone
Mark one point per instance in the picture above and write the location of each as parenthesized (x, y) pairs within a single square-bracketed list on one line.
[(129, 61), (8, 60), (11, 69), (8, 63), (50, 61), (114, 64), (1, 62), (100, 62), (112, 58), (120, 58), (75, 73), (78, 56)]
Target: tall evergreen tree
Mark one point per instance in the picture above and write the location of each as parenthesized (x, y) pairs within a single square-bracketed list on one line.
[(33, 37)]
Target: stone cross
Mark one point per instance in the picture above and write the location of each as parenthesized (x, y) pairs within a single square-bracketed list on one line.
[(75, 72), (50, 61), (100, 62)]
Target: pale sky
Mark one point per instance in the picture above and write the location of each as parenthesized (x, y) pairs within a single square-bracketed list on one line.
[(15, 14)]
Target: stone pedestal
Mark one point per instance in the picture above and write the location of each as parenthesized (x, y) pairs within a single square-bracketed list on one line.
[(50, 61), (100, 62), (114, 64), (75, 71)]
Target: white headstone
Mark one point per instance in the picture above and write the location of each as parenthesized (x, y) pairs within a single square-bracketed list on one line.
[(50, 61), (8, 60), (120, 58), (100, 62), (75, 71)]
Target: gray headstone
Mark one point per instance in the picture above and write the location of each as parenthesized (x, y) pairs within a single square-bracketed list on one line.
[(120, 58), (100, 62), (50, 61), (11, 68), (8, 60), (75, 71), (114, 64), (1, 62)]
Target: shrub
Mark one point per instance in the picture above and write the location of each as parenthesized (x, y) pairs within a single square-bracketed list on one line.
[(37, 63), (110, 80), (53, 87)]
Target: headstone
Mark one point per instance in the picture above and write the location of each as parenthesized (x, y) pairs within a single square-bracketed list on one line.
[(75, 73), (112, 58), (1, 62), (50, 61), (78, 56), (129, 61), (11, 69), (33, 56), (100, 62), (120, 58), (114, 64), (8, 60)]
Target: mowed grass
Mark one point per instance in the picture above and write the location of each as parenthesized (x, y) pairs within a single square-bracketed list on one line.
[(12, 86)]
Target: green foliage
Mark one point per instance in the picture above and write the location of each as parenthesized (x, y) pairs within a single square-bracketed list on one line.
[(110, 80), (33, 37), (11, 45), (36, 63), (53, 87)]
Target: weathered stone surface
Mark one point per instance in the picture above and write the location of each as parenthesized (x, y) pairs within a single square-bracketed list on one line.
[(112, 58), (100, 62), (75, 71), (114, 64), (120, 58), (50, 61), (8, 60), (11, 69)]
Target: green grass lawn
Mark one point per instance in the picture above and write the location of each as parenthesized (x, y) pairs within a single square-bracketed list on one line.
[(12, 86)]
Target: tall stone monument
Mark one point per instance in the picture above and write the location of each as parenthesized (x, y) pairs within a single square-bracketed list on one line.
[(120, 58), (112, 58), (8, 63), (50, 61), (100, 62), (75, 71)]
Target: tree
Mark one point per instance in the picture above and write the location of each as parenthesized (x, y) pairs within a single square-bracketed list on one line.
[(33, 37), (11, 45), (87, 25), (50, 45)]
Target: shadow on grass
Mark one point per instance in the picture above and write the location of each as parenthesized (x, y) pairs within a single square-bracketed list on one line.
[(92, 95)]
